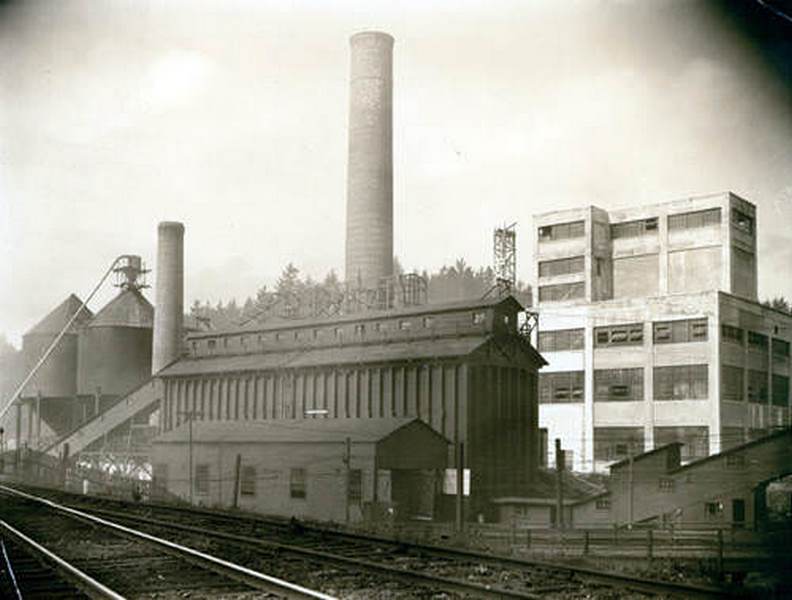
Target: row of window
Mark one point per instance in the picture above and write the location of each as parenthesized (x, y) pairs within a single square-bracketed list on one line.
[(562, 266), (562, 291), (679, 382), (695, 219), (663, 332), (337, 332), (632, 229), (618, 443), (298, 482), (758, 341), (562, 231), (732, 388), (649, 226)]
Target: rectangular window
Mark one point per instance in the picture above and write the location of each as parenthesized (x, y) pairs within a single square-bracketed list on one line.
[(297, 483), (479, 317), (732, 334), (247, 482), (603, 504), (560, 340), (694, 440), (665, 484), (680, 331), (780, 390), (758, 341), (428, 322), (338, 332), (561, 291), (757, 387), (618, 385), (693, 220), (563, 266), (561, 388), (201, 481), (562, 231), (742, 221), (714, 509), (360, 329), (616, 443), (732, 383), (780, 348), (405, 325), (682, 382), (630, 229), (211, 344), (619, 335), (355, 488)]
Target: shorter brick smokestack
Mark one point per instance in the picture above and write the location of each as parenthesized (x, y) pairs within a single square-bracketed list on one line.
[(169, 300)]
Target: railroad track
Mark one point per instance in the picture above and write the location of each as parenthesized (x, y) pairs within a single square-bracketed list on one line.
[(460, 572), (92, 557)]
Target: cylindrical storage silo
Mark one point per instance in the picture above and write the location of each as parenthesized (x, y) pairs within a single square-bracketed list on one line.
[(115, 348), (369, 218), (57, 376), (169, 300)]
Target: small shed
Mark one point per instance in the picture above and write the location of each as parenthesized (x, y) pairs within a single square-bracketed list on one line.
[(323, 469)]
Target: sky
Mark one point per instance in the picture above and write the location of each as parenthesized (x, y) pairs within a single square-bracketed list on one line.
[(231, 117)]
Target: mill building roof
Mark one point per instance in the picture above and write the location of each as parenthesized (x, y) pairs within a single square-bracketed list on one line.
[(424, 309), (338, 355), (292, 431), (57, 318)]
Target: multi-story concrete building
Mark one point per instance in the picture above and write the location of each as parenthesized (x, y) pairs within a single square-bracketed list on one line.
[(650, 322)]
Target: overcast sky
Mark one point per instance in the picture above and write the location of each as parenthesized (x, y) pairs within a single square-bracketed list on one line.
[(231, 117)]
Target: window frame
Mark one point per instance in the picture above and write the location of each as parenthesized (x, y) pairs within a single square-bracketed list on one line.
[(298, 483)]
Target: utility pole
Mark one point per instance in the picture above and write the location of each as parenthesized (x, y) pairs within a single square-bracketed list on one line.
[(347, 464), (190, 415), (460, 486), (237, 480), (559, 459), (630, 485)]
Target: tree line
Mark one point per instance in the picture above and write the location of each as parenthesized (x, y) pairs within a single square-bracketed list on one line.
[(295, 296)]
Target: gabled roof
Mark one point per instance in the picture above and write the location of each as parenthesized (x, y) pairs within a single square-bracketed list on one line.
[(60, 315), (787, 431), (336, 355), (428, 309), (129, 309), (644, 455), (290, 431)]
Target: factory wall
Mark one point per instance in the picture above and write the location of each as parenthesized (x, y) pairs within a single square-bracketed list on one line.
[(463, 370)]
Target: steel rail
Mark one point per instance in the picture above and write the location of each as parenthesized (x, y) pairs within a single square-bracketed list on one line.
[(609, 578), (10, 570), (76, 576), (260, 580), (449, 584), (605, 577)]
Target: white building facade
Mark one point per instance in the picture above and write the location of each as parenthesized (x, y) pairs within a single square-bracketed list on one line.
[(650, 322)]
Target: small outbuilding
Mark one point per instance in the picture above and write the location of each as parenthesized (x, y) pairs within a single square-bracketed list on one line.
[(325, 469)]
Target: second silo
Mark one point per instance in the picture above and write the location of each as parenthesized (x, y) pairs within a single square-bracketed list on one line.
[(57, 376), (115, 348), (369, 218)]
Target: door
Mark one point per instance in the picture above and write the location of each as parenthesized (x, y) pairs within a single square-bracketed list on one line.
[(738, 512)]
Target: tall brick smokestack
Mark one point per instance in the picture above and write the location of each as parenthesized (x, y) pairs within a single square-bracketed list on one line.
[(369, 219), (169, 301)]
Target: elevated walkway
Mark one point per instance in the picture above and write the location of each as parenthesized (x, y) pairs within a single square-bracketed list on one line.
[(141, 401)]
